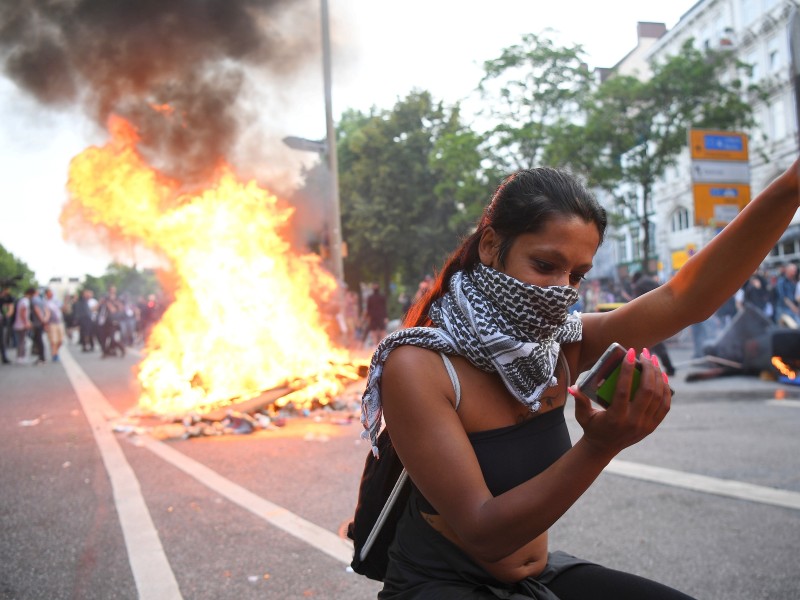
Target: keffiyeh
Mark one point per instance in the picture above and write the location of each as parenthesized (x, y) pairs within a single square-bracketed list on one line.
[(499, 323)]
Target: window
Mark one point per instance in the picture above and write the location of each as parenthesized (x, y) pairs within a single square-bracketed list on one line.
[(774, 57), (777, 120), (680, 219)]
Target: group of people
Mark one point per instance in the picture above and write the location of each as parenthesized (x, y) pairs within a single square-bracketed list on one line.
[(110, 324), (31, 317)]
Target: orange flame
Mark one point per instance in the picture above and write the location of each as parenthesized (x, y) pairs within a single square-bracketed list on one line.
[(783, 367), (246, 314)]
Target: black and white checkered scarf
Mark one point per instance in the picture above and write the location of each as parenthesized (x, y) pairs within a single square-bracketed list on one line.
[(499, 324)]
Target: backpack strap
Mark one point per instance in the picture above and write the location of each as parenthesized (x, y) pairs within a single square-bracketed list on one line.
[(401, 480), (376, 529)]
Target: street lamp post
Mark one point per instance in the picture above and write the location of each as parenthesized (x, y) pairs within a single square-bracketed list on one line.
[(335, 233), (327, 149)]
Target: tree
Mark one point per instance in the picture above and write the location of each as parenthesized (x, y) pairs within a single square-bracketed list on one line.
[(535, 91), (15, 273), (637, 129), (409, 182)]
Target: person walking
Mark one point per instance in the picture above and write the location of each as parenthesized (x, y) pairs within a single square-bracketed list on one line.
[(473, 390)]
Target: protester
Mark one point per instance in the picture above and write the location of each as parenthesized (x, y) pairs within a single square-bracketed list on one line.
[(7, 303), (377, 315), (23, 324), (109, 313), (39, 319), (85, 317), (787, 311), (55, 324), (492, 464), (643, 283)]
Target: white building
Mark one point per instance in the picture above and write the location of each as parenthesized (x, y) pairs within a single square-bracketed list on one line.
[(758, 32)]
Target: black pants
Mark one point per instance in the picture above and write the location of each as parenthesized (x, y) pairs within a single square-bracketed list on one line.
[(86, 334), (600, 583), (38, 342), (660, 350)]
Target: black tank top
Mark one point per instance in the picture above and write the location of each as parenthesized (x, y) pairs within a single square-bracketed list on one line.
[(510, 455)]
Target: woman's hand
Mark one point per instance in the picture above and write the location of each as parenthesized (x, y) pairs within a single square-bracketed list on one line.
[(630, 417)]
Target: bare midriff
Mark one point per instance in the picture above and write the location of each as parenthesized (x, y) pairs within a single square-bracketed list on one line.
[(528, 561)]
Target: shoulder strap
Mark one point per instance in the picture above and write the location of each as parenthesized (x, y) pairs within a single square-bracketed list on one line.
[(376, 529), (563, 360), (453, 377)]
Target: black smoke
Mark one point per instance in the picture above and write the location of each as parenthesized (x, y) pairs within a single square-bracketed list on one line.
[(135, 58)]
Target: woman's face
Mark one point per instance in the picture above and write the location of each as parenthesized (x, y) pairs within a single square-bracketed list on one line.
[(560, 254)]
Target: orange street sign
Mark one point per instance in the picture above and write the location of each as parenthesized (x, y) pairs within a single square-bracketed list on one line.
[(709, 144), (716, 204)]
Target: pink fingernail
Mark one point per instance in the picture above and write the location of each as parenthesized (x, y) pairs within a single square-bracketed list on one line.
[(631, 356), (571, 390), (645, 353), (654, 360), (664, 375)]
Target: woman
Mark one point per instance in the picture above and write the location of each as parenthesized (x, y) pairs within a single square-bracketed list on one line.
[(487, 447)]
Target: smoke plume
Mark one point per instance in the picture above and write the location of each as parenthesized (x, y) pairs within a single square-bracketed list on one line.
[(177, 69)]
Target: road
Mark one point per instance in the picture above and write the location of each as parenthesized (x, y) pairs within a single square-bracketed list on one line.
[(91, 509)]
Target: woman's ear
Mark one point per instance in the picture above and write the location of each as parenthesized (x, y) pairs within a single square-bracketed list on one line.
[(488, 247)]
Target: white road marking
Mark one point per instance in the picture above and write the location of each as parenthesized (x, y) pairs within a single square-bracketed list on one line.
[(784, 403), (151, 570), (314, 535), (708, 485)]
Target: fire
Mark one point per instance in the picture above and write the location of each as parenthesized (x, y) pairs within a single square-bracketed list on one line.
[(246, 313), (783, 367)]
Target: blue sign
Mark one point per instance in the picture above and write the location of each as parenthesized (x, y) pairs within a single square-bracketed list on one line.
[(723, 142), (724, 192)]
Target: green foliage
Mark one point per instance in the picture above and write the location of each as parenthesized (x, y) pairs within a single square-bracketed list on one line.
[(410, 183), (127, 280), (535, 90), (15, 273)]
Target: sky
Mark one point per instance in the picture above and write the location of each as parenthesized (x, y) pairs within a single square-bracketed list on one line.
[(381, 52)]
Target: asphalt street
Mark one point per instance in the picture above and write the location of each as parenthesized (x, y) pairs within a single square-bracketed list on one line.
[(98, 504)]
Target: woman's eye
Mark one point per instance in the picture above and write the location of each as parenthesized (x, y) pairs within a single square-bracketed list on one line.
[(544, 266), (576, 278)]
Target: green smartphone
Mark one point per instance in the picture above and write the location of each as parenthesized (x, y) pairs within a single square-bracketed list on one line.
[(600, 381)]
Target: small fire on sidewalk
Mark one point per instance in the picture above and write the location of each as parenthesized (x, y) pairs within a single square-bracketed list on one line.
[(788, 375), (250, 312)]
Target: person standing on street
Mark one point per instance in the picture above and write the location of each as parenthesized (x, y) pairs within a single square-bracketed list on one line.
[(643, 283), (787, 313), (377, 315), (55, 323), (23, 324), (6, 321), (39, 318)]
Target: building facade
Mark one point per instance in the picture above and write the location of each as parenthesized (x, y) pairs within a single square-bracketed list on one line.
[(759, 33)]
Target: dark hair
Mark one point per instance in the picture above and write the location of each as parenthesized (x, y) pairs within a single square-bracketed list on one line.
[(524, 202)]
